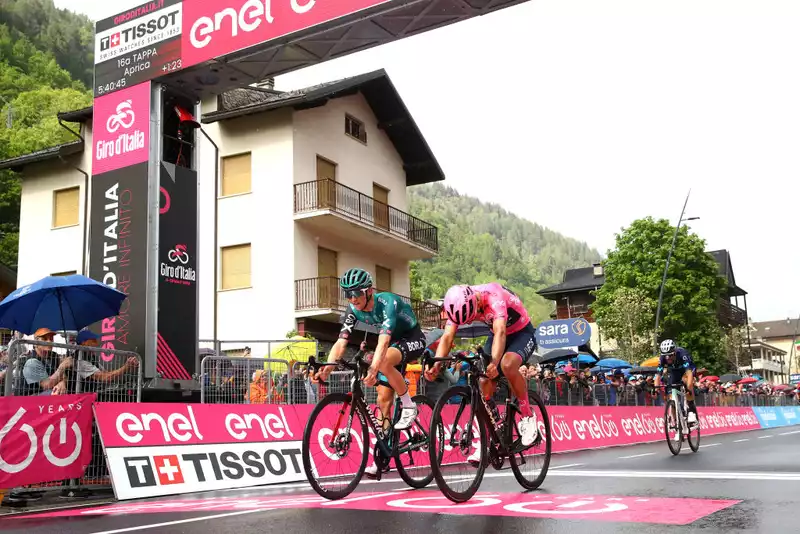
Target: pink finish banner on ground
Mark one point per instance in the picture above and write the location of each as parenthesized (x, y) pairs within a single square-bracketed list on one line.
[(44, 438)]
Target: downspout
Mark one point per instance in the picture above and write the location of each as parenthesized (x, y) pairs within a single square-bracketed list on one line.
[(85, 198)]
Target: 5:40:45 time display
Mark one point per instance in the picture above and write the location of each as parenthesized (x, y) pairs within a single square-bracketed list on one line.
[(110, 86)]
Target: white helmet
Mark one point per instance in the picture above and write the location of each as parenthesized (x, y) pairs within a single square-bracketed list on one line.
[(667, 346)]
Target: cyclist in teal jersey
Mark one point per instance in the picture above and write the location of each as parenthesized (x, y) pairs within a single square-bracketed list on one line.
[(400, 341)]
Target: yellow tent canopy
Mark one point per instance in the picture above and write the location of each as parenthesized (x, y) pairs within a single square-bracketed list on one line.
[(651, 362), (296, 349)]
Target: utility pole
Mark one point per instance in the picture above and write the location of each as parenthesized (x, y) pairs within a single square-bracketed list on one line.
[(792, 349), (666, 268)]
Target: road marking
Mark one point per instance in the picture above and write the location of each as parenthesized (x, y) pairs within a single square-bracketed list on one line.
[(636, 455), (741, 440), (792, 432), (182, 521), (565, 465), (710, 445), (764, 437)]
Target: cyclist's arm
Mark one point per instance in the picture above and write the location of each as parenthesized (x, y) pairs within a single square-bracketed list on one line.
[(442, 350), (388, 326), (499, 342)]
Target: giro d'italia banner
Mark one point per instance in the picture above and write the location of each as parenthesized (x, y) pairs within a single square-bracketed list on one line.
[(177, 273), (119, 214)]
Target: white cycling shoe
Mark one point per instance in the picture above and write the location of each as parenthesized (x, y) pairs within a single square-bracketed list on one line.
[(407, 416), (528, 430), (691, 418)]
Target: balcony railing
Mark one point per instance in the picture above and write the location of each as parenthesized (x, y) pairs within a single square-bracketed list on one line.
[(324, 293), (329, 194), (730, 315)]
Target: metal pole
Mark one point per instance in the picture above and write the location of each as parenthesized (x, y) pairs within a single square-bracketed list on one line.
[(666, 268), (216, 232), (794, 342)]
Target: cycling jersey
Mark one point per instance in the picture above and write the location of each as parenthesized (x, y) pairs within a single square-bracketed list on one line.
[(499, 302), (682, 360), (393, 314)]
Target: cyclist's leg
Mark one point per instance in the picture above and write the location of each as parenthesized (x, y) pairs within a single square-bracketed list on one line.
[(487, 386), (519, 347), (402, 351), (688, 379)]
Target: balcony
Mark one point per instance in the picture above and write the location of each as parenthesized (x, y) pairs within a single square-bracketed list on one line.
[(344, 214), (764, 364), (323, 298), (730, 315)]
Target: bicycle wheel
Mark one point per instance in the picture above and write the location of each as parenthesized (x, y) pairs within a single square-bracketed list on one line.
[(326, 446), (671, 421), (412, 445), (450, 445), (522, 458)]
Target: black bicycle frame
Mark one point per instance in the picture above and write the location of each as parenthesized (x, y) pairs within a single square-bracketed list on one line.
[(480, 409), (359, 368)]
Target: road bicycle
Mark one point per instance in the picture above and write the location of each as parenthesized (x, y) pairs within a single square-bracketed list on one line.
[(495, 434), (337, 440), (678, 421)]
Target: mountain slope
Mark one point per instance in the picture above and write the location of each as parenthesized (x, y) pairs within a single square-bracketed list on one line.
[(481, 242)]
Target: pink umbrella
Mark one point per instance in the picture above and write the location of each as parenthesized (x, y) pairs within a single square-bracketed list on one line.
[(748, 380)]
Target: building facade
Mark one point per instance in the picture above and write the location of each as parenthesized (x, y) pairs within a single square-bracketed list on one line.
[(309, 183)]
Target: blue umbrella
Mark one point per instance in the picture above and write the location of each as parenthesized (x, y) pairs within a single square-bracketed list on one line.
[(59, 303), (613, 363)]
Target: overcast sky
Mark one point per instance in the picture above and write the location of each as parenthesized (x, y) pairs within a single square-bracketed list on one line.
[(582, 115)]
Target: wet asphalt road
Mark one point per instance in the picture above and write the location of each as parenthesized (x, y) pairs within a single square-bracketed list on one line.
[(758, 471)]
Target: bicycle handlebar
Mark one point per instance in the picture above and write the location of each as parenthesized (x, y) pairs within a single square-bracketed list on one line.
[(357, 361)]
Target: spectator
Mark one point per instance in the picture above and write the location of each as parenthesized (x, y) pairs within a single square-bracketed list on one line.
[(88, 371), (40, 374)]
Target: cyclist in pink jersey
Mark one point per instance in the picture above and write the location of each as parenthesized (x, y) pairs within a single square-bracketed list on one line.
[(510, 345)]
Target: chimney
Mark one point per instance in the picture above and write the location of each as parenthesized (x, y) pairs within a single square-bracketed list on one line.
[(598, 270), (266, 83)]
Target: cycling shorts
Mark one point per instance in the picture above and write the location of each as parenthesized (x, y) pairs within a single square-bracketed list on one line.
[(522, 342), (411, 347)]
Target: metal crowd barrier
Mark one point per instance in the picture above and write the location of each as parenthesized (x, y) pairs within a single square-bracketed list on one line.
[(227, 380), (114, 375)]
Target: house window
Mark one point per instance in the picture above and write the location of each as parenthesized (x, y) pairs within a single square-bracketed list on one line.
[(65, 207), (236, 174), (235, 267), (383, 278), (355, 128)]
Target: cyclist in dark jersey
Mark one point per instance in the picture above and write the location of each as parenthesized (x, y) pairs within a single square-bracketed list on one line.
[(681, 367), (400, 341)]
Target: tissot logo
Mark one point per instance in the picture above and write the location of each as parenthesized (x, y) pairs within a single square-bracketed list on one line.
[(140, 472), (139, 33), (169, 470)]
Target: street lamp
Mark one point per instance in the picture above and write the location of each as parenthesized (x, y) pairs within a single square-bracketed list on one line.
[(666, 267)]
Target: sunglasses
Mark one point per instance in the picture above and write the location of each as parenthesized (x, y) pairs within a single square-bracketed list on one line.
[(354, 293)]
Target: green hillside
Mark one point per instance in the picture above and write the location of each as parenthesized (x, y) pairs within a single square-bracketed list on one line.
[(481, 242)]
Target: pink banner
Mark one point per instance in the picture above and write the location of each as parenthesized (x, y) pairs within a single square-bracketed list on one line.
[(137, 436), (44, 438), (157, 424), (121, 129), (213, 29), (587, 427)]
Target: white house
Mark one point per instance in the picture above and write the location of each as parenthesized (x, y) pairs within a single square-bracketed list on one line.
[(311, 183)]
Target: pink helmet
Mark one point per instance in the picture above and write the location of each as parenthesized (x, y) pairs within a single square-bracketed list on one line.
[(461, 304)]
